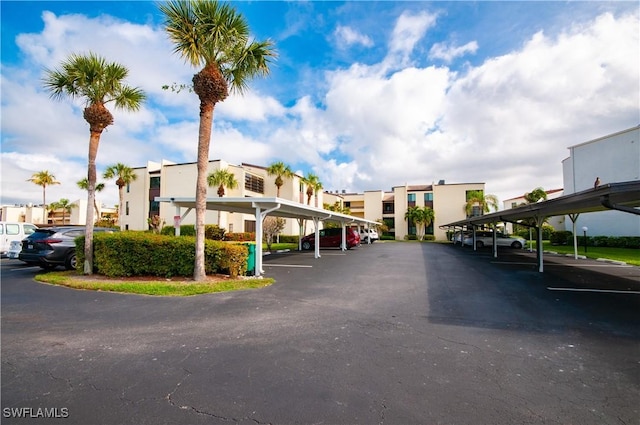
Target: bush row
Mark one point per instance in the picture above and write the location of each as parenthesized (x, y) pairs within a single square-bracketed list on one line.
[(565, 237), (147, 254)]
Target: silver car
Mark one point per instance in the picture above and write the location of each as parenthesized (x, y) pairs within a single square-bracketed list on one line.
[(484, 238)]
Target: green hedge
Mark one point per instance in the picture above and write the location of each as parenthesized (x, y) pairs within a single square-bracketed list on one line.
[(240, 237), (561, 237), (211, 231), (147, 254)]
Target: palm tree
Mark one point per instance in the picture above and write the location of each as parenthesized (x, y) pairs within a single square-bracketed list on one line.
[(535, 195), (313, 186), (222, 178), (123, 175), (43, 178), (98, 82), (84, 184), (412, 215), (477, 198), (428, 216), (280, 170), (214, 35), (65, 205)]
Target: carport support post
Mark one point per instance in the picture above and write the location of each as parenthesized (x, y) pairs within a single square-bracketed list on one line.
[(300, 235), (343, 246), (574, 218), (495, 241), (539, 250), (316, 222), (176, 226)]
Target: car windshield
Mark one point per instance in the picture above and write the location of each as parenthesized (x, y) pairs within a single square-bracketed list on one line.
[(41, 234)]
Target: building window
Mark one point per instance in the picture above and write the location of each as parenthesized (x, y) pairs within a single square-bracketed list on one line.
[(126, 208), (253, 183), (154, 183), (249, 226), (126, 227), (387, 207), (428, 197), (128, 187), (154, 208), (347, 204), (411, 200), (514, 204)]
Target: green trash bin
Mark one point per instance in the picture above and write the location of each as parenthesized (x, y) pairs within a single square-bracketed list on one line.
[(251, 259)]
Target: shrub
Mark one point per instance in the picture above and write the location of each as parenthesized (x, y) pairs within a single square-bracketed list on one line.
[(561, 237), (147, 254), (214, 232), (428, 238), (387, 237), (410, 238), (240, 237), (185, 230), (288, 239), (211, 231)]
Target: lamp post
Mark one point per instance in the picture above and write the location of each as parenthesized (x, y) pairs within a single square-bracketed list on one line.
[(584, 230)]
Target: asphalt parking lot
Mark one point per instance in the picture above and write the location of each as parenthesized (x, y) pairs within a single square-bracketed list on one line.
[(392, 333)]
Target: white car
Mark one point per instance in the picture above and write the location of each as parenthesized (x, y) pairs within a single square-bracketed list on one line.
[(484, 238), (365, 235), (14, 249)]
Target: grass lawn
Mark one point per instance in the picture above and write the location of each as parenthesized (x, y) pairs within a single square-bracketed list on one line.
[(280, 246), (180, 287), (629, 256)]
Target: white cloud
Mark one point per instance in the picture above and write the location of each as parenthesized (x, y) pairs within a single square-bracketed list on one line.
[(407, 32), (347, 36), (448, 52)]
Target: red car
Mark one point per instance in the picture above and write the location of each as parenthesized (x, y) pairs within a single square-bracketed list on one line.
[(332, 238)]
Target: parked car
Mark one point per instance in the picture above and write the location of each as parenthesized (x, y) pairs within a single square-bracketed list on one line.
[(457, 238), (54, 246), (365, 235), (13, 231), (332, 238), (484, 238), (14, 249)]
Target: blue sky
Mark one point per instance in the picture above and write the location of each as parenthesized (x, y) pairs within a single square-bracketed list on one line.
[(368, 95)]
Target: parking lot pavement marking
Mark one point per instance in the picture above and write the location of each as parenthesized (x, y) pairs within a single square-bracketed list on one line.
[(609, 291), (287, 265), (24, 268)]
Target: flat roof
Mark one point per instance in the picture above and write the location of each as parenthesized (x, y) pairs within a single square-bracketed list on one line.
[(601, 198), (278, 207)]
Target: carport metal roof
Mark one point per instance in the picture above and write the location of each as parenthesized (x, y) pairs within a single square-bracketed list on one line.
[(261, 207), (624, 196)]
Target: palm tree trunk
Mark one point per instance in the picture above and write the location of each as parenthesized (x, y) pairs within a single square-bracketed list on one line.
[(204, 139), (121, 200), (94, 142)]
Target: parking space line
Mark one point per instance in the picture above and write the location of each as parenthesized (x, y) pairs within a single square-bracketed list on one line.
[(286, 265), (610, 291)]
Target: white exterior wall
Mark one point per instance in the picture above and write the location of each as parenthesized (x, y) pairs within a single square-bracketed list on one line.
[(614, 158), (373, 205)]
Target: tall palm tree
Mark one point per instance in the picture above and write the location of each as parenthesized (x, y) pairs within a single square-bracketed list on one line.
[(84, 184), (428, 216), (213, 35), (412, 215), (98, 82), (123, 175), (222, 178), (313, 186), (43, 178), (280, 170), (477, 198)]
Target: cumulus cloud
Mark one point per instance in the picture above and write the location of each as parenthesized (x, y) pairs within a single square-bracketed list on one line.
[(347, 36), (448, 52)]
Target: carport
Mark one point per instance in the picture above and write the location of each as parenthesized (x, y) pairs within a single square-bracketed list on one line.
[(261, 208), (624, 196)]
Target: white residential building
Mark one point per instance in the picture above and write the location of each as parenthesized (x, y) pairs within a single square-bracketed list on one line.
[(610, 159)]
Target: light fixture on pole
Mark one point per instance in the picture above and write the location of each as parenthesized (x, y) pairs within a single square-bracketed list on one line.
[(584, 229)]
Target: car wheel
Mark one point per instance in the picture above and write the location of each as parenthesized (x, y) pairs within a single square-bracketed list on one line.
[(516, 245), (306, 245), (71, 262), (479, 244)]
